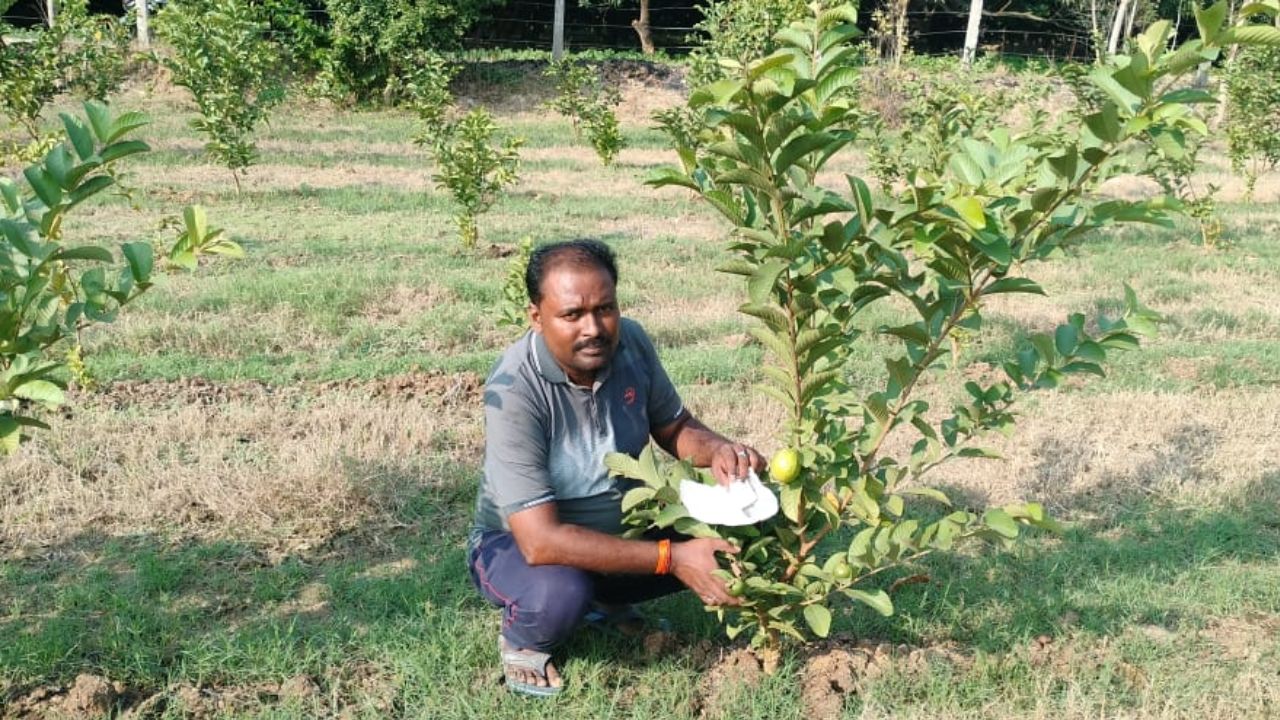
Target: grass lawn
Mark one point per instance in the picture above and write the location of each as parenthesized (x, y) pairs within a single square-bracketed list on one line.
[(261, 513)]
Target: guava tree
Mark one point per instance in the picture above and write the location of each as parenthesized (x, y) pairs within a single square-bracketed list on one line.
[(1253, 106), (965, 228), (51, 290), (222, 54)]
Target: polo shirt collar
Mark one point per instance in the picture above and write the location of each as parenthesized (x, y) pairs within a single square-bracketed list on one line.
[(551, 370)]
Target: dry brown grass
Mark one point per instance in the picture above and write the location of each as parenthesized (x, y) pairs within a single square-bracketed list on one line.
[(292, 467), (277, 176), (1077, 452), (1231, 187), (282, 467)]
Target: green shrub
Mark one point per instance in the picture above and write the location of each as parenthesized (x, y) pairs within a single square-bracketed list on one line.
[(473, 167), (427, 90), (293, 29), (83, 53), (222, 55), (96, 51), (584, 98), (738, 30), (376, 43), (513, 309), (50, 291), (1253, 113)]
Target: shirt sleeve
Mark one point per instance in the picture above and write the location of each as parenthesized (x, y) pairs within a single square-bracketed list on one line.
[(516, 475), (665, 404)]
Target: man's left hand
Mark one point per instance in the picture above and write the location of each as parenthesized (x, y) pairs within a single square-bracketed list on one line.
[(732, 461)]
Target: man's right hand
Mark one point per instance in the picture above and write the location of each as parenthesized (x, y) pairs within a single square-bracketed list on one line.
[(693, 561)]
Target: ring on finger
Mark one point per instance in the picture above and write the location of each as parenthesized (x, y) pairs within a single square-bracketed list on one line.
[(742, 453)]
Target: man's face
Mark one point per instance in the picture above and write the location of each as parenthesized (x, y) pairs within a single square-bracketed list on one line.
[(578, 317)]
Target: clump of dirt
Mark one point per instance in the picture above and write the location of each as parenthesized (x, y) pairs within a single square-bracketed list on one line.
[(835, 669), (659, 643), (832, 671), (90, 696), (734, 670), (445, 387), (373, 686)]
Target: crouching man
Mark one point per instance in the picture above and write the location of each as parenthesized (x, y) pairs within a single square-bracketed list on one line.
[(584, 382)]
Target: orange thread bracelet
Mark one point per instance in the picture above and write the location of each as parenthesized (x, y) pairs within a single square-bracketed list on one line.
[(664, 558)]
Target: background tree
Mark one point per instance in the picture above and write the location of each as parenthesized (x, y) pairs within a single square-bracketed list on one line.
[(640, 24), (221, 53), (739, 29), (377, 43), (80, 52)]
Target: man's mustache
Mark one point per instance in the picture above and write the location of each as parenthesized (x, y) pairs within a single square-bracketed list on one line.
[(600, 342)]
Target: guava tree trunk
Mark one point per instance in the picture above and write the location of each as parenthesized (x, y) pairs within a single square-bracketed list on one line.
[(641, 24)]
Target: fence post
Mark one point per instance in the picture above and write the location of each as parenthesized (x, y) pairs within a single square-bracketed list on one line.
[(144, 32), (557, 32), (971, 32)]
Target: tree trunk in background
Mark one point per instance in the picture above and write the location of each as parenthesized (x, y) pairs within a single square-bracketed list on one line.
[(1122, 11), (51, 9), (1133, 13), (144, 31), (971, 32), (641, 25), (557, 32), (1095, 35), (1221, 116), (900, 32)]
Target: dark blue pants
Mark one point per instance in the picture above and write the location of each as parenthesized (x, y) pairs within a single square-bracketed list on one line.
[(542, 604)]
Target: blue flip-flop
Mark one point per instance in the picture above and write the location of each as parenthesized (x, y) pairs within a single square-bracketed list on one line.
[(532, 660)]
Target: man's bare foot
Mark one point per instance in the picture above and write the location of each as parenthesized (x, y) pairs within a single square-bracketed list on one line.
[(518, 668)]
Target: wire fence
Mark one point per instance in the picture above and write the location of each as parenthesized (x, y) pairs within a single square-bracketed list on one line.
[(528, 24), (1050, 44)]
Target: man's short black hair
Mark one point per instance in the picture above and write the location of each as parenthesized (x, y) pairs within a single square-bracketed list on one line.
[(582, 252)]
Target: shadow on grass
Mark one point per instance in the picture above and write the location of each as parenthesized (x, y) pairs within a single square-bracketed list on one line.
[(1138, 561), (150, 611)]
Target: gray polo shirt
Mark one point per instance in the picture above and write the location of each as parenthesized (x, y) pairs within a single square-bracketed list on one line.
[(546, 438)]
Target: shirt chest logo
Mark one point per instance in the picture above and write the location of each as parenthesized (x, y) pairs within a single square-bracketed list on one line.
[(629, 396)]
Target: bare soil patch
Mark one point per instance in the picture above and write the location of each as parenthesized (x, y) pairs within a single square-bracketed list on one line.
[(90, 696), (831, 671), (519, 86), (1244, 638), (838, 668), (734, 671)]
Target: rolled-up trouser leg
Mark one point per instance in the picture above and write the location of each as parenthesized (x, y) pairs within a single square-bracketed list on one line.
[(541, 604)]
